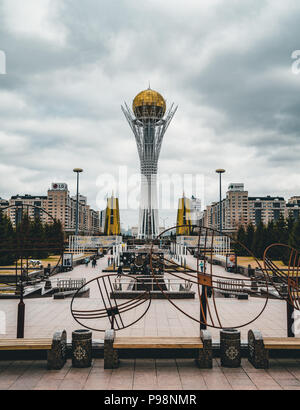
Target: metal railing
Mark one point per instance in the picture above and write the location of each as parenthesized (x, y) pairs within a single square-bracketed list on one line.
[(230, 286), (172, 285), (65, 285)]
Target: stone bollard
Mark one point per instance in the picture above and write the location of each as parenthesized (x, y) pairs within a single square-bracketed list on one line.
[(81, 348), (230, 348)]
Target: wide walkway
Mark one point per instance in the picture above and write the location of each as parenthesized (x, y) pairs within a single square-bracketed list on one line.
[(45, 316), (148, 374)]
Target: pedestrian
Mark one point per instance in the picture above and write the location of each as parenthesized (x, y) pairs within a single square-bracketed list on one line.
[(94, 263), (87, 261), (201, 264), (120, 271)]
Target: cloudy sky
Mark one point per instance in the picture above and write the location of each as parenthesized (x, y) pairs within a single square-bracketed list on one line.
[(226, 63)]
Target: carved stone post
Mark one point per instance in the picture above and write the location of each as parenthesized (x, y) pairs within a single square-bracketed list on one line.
[(230, 348), (258, 356), (81, 348), (204, 359), (57, 356), (111, 357)]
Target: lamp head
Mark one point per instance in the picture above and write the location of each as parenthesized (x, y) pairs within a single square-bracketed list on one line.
[(78, 170), (220, 171)]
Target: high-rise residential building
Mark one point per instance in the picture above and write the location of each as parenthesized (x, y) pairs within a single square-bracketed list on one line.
[(265, 209), (58, 205), (236, 210), (196, 210), (27, 203), (240, 209), (292, 208), (63, 207), (3, 203), (149, 120), (102, 215)]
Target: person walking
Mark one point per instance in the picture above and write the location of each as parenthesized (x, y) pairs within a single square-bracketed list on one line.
[(87, 261), (120, 271), (201, 264), (94, 263)]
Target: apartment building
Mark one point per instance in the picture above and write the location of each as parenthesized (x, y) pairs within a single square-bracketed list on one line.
[(265, 209), (3, 203), (292, 208), (236, 210), (240, 209), (59, 205), (29, 204)]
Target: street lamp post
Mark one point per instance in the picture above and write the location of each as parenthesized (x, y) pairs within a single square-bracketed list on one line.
[(220, 172), (77, 171)]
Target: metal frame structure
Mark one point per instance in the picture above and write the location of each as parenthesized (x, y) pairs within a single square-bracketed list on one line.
[(287, 282), (110, 308), (149, 132), (207, 282)]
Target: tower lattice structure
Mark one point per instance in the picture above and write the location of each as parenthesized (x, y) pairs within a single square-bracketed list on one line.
[(149, 120)]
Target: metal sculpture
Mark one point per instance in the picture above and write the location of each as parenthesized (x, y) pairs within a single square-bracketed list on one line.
[(117, 316), (208, 283), (285, 281)]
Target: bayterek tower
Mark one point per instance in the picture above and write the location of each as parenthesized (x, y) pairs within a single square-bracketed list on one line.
[(149, 120)]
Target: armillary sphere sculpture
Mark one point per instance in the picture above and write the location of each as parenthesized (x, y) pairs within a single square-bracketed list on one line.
[(102, 311), (285, 280), (209, 281)]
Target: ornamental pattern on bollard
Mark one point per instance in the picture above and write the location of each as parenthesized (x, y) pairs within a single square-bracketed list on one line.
[(80, 353), (232, 353)]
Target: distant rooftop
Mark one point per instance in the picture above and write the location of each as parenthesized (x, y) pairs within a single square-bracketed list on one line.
[(266, 198), (26, 196)]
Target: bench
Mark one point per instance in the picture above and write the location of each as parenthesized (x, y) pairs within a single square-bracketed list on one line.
[(259, 347), (113, 344), (56, 348)]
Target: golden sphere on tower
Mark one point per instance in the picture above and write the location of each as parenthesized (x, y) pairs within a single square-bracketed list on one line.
[(149, 105)]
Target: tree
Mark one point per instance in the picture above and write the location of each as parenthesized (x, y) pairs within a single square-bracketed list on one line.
[(55, 237), (249, 236), (7, 255), (23, 237), (241, 238), (281, 232), (290, 222), (38, 240), (294, 239), (259, 240)]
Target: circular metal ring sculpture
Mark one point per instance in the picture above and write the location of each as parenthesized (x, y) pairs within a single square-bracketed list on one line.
[(113, 314), (285, 281), (207, 282)]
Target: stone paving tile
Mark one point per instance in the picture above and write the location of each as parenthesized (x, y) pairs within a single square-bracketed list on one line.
[(45, 316), (164, 374), (162, 320)]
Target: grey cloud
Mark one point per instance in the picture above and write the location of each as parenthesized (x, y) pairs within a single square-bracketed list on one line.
[(227, 65)]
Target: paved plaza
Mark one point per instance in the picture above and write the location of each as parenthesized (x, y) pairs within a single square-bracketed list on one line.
[(45, 316), (142, 374)]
